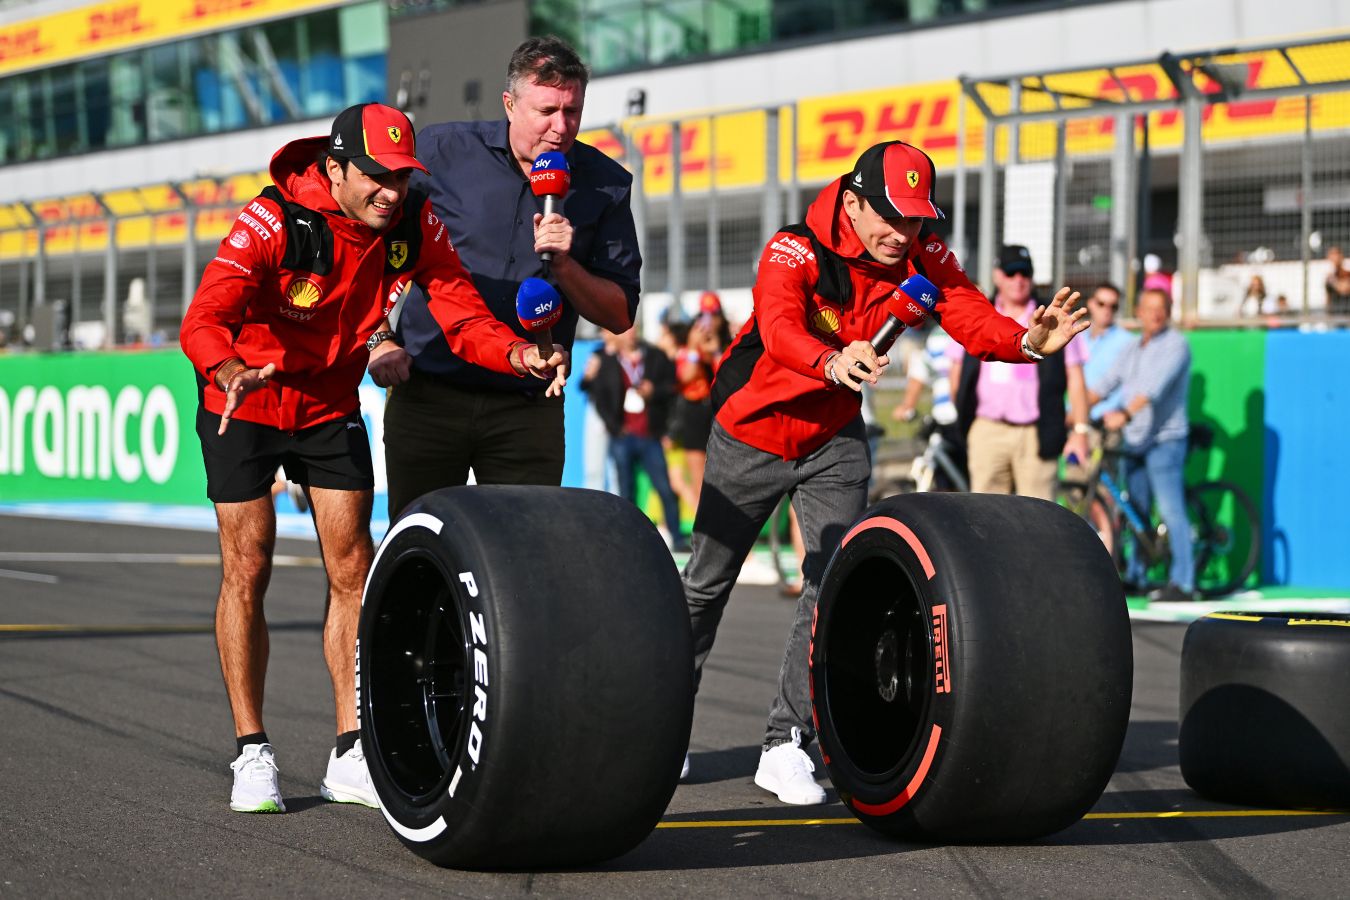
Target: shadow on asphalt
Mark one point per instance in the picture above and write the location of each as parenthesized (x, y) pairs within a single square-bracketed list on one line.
[(1149, 745)]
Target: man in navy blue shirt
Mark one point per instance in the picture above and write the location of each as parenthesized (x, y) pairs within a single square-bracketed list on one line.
[(452, 416)]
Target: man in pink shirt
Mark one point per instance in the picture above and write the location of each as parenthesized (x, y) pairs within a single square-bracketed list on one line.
[(1014, 417)]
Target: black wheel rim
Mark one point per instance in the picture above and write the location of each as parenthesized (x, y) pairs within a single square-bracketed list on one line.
[(418, 678), (878, 665)]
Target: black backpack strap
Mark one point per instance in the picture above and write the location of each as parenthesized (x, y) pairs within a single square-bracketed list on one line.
[(403, 242), (832, 281), (309, 241)]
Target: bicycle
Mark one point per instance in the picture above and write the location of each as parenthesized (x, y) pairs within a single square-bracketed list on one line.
[(1225, 530)]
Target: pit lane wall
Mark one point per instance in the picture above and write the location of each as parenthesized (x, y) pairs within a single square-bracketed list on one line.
[(119, 427)]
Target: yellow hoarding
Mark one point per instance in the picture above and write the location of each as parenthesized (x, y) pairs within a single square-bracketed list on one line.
[(102, 28)]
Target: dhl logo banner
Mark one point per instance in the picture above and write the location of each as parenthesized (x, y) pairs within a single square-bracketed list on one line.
[(833, 131), (101, 28)]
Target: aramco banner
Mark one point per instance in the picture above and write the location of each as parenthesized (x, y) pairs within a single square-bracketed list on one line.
[(99, 426)]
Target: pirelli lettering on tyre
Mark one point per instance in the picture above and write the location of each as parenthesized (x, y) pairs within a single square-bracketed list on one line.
[(473, 746), (942, 668)]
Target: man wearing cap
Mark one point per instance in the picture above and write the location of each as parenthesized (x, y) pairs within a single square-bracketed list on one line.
[(1013, 417), (509, 433), (787, 401), (280, 331)]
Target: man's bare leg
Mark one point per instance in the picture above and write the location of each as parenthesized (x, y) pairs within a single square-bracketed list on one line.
[(342, 519), (248, 533)]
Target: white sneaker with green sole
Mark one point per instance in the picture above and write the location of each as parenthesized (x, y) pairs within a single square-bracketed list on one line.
[(255, 781)]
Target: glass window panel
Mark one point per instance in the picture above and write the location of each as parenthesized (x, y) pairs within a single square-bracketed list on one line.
[(321, 65), (166, 99), (65, 110), (364, 41), (126, 85), (96, 91)]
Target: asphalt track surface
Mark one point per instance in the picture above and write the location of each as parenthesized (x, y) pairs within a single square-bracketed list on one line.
[(114, 777)]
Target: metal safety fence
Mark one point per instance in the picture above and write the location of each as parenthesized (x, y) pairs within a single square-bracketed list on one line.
[(1223, 175)]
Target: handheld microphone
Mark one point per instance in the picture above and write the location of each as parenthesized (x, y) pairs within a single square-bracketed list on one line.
[(909, 305), (550, 179), (538, 306)]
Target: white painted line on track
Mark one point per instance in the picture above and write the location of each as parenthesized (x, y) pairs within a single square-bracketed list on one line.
[(173, 559), (28, 576)]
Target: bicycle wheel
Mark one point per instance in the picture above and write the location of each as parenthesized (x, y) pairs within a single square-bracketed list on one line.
[(1096, 509), (1226, 534)]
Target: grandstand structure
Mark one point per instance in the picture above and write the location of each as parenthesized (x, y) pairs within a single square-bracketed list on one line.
[(1211, 133)]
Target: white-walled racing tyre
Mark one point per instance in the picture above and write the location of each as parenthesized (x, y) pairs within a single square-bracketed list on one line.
[(524, 676)]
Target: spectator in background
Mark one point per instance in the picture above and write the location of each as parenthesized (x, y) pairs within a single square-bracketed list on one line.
[(1338, 283), (632, 390), (1013, 416), (691, 420), (1153, 375), (1256, 302), (1102, 342)]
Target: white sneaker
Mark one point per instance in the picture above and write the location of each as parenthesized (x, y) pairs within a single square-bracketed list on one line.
[(785, 770), (255, 781), (348, 779), (684, 769)]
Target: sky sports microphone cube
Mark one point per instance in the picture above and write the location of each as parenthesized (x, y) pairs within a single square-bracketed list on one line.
[(550, 176), (538, 306), (914, 300)]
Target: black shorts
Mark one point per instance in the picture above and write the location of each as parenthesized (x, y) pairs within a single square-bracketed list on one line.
[(242, 463), (691, 423)]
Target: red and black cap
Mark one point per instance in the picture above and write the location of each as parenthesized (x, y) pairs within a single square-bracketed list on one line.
[(896, 179), (376, 138)]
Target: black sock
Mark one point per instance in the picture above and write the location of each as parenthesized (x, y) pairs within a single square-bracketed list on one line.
[(346, 741), (258, 737)]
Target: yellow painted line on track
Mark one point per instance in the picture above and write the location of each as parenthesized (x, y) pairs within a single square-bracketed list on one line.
[(107, 629), (172, 559), (1166, 814)]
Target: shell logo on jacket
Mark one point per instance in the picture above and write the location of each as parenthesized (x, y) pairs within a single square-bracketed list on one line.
[(303, 294)]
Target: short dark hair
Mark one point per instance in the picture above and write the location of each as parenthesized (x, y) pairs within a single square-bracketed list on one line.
[(324, 156), (549, 60), (1107, 286)]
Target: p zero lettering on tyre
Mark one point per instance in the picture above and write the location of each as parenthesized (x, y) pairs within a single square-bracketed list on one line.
[(525, 694), (1264, 717), (970, 667)]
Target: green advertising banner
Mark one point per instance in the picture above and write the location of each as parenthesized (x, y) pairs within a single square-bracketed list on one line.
[(1228, 377), (99, 426)]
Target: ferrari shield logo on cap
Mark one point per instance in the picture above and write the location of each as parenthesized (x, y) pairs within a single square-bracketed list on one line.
[(398, 253), (396, 134), (912, 176)]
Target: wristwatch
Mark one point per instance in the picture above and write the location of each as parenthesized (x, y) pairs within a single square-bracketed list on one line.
[(377, 339)]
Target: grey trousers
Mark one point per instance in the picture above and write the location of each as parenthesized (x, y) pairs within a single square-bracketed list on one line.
[(741, 487)]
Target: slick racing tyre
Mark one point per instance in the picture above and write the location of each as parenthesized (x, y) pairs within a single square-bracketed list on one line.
[(1265, 715), (525, 677), (970, 668)]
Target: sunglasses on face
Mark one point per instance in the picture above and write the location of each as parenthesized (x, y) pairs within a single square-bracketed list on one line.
[(1112, 306)]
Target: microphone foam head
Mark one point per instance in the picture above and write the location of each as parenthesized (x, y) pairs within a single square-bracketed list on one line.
[(538, 304), (921, 289), (550, 176)]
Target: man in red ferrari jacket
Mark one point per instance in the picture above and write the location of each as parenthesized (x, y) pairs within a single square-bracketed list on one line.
[(788, 406), (280, 331)]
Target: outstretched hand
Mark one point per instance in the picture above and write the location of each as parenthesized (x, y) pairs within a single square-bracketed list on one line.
[(1053, 326), (238, 381)]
